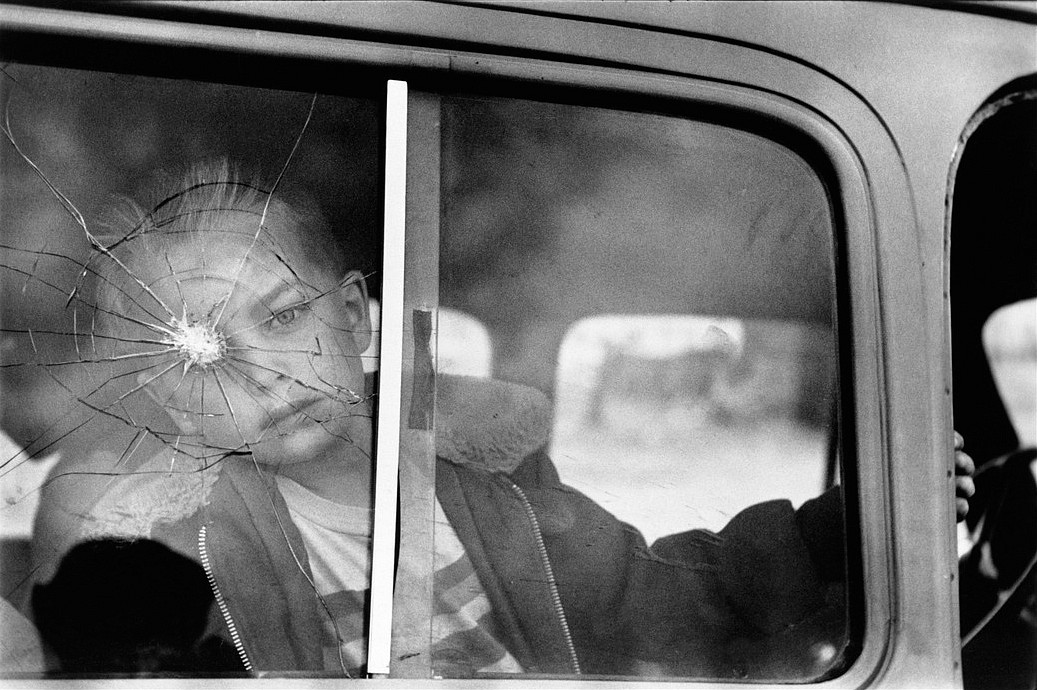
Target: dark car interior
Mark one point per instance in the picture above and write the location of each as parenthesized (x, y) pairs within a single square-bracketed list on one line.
[(994, 264)]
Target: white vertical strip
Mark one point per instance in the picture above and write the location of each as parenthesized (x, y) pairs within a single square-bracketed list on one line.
[(390, 381)]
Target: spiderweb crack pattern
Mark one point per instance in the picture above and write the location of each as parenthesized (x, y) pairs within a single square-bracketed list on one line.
[(201, 331)]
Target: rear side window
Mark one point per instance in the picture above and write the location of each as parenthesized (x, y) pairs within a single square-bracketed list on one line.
[(622, 365), (660, 294), (173, 299)]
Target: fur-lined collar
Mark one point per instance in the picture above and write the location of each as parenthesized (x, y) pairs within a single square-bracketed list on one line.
[(489, 423)]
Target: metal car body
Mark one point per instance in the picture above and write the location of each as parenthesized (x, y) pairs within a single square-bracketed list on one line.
[(882, 96)]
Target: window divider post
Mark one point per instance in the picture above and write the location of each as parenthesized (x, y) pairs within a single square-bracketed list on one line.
[(387, 456)]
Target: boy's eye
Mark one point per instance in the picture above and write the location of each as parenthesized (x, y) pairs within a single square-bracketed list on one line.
[(287, 318)]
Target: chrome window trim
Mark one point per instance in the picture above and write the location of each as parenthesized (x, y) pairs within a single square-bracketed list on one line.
[(390, 387)]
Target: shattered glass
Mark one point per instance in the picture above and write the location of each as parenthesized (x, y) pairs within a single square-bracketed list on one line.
[(159, 312)]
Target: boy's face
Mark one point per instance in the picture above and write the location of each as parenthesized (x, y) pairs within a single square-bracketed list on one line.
[(264, 347)]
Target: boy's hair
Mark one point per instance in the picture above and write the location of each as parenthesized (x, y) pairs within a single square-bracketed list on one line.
[(293, 228)]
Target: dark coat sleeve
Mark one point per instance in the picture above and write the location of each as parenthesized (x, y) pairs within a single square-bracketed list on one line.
[(780, 573), (755, 600)]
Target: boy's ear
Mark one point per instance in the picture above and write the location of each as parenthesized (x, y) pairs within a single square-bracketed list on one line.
[(358, 308), (184, 421)]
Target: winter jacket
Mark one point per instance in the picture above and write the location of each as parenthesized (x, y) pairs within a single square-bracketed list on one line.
[(573, 589)]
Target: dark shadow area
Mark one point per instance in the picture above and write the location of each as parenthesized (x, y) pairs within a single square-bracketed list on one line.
[(129, 607), (993, 264)]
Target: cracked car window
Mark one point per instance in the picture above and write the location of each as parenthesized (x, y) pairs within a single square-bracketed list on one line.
[(186, 357)]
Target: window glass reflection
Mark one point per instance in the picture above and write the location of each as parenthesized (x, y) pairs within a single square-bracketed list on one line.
[(463, 345), (727, 413), (1010, 339), (659, 295)]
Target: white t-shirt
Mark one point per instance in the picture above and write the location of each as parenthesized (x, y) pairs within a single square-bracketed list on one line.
[(338, 544)]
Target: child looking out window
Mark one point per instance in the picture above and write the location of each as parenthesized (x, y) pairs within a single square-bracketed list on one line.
[(238, 328)]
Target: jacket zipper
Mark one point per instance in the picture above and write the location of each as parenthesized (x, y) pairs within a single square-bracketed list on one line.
[(221, 603), (556, 598)]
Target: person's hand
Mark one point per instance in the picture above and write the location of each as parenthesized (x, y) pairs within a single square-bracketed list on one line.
[(964, 468)]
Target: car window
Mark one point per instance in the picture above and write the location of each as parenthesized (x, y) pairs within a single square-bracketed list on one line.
[(179, 306), (629, 305), (660, 295)]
